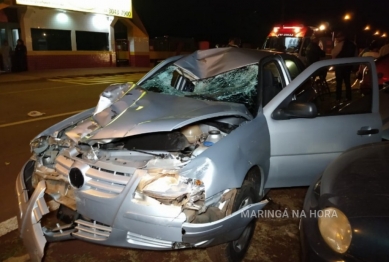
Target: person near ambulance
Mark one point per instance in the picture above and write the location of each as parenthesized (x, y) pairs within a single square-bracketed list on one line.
[(315, 53)]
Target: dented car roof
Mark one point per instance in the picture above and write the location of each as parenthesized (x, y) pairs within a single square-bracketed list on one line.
[(207, 63)]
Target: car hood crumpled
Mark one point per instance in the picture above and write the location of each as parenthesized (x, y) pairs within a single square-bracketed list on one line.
[(141, 112)]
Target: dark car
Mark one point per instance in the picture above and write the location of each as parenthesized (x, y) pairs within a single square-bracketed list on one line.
[(347, 208)]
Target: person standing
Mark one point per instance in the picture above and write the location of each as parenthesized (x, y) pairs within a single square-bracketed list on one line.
[(6, 52), (234, 42), (343, 48), (313, 52), (20, 57)]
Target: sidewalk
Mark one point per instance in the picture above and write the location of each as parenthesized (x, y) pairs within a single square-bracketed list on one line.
[(72, 72)]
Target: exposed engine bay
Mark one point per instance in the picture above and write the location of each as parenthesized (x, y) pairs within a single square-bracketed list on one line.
[(109, 162)]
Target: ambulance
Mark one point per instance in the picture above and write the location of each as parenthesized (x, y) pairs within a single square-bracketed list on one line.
[(294, 39)]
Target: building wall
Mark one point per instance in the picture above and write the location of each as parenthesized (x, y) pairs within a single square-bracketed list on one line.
[(138, 42), (47, 18), (38, 60)]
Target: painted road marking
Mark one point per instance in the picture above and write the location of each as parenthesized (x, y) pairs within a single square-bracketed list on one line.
[(40, 118), (93, 80), (8, 226), (33, 90), (12, 223)]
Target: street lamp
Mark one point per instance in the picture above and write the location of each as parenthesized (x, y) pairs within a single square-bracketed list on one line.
[(377, 32), (367, 28), (322, 27), (383, 35), (347, 17)]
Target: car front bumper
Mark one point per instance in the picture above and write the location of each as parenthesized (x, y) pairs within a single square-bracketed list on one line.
[(131, 227), (29, 217)]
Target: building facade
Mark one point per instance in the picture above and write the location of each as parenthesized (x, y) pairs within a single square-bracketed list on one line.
[(76, 35)]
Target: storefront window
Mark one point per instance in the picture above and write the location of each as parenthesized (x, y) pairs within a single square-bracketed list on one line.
[(91, 41), (50, 39)]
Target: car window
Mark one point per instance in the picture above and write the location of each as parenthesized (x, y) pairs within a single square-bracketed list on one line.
[(321, 89), (271, 82), (283, 43), (292, 68)]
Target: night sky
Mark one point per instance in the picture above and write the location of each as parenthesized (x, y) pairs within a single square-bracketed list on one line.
[(252, 20)]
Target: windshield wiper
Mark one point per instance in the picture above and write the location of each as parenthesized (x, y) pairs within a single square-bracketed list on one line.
[(148, 153)]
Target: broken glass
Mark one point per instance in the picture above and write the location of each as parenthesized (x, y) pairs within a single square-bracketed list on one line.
[(237, 86)]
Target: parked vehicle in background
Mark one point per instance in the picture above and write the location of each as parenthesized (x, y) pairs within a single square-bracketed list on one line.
[(347, 208), (294, 39), (382, 65), (183, 158)]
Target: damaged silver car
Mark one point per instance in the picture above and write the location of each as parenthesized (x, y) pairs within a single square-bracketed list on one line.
[(182, 158)]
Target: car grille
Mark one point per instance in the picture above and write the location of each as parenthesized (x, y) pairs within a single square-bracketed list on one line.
[(92, 231), (140, 240), (104, 180)]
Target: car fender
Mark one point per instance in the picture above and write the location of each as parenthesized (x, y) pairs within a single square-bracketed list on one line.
[(225, 165)]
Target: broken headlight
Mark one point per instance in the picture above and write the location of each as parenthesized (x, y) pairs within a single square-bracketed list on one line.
[(168, 185), (39, 145)]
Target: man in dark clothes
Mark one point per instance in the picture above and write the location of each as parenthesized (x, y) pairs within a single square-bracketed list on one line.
[(20, 57), (343, 48), (313, 52)]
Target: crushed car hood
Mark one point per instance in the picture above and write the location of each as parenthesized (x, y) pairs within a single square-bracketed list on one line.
[(140, 112)]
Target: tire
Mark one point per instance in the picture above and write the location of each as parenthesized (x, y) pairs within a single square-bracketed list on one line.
[(234, 251)]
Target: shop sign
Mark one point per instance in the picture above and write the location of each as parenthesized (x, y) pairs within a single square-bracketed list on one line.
[(121, 8)]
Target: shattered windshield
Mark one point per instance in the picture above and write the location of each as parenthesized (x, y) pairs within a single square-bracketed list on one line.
[(237, 86)]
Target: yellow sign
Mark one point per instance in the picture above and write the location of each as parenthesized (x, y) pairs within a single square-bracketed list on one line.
[(116, 7)]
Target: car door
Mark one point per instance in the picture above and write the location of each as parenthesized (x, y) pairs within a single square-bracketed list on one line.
[(302, 145)]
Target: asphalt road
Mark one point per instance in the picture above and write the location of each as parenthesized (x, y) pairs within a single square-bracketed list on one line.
[(57, 100), (274, 239)]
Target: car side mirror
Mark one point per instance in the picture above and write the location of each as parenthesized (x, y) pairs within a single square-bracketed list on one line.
[(295, 110)]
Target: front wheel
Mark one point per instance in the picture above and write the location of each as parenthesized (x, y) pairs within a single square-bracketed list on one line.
[(234, 251)]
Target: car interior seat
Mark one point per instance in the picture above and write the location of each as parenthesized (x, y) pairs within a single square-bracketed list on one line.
[(270, 86), (181, 83)]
